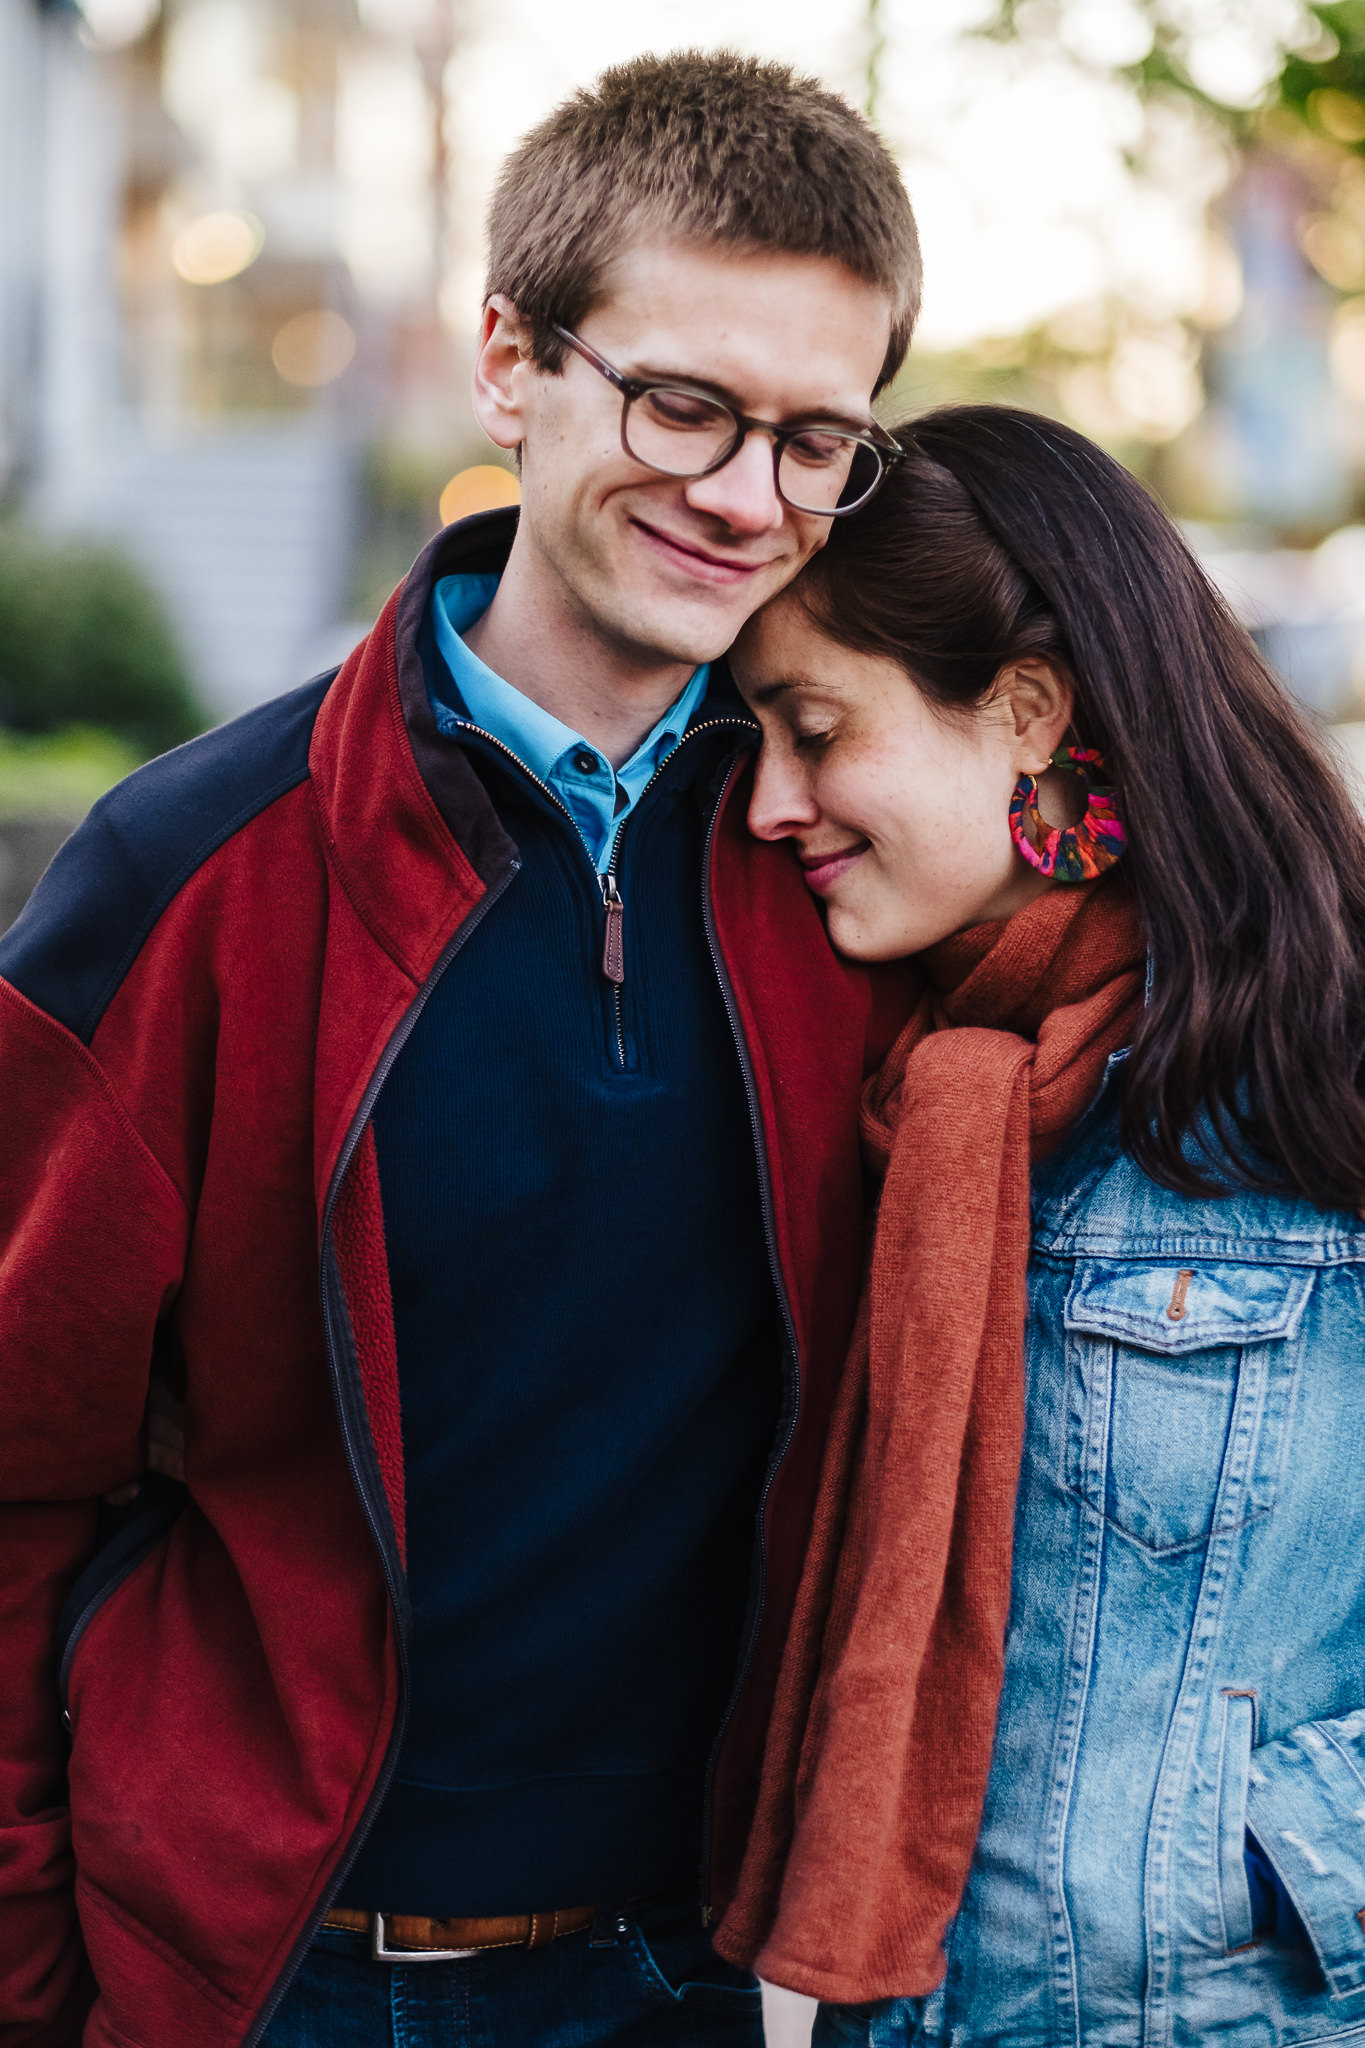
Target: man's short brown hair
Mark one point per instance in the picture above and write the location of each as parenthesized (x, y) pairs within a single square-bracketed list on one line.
[(710, 147)]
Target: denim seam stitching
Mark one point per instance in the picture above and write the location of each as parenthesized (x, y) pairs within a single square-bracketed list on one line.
[(1182, 1735)]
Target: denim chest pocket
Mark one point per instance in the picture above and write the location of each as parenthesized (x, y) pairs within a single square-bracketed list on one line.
[(1179, 1381)]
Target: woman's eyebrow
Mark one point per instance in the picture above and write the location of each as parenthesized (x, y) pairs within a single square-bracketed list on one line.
[(764, 693)]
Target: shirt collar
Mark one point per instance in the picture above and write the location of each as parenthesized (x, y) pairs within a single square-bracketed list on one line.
[(537, 737)]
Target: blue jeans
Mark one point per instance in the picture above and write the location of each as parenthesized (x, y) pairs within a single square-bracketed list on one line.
[(889, 2023), (659, 1984)]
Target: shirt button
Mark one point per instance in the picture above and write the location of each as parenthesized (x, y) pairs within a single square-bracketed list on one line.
[(585, 763)]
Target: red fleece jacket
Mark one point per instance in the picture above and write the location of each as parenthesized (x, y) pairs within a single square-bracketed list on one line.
[(195, 1015)]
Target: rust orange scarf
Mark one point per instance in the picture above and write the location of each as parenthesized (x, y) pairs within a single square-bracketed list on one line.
[(876, 1762)]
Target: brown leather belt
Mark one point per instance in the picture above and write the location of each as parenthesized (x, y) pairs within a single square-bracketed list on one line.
[(408, 1938)]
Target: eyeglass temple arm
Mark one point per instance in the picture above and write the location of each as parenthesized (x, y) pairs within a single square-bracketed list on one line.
[(590, 355)]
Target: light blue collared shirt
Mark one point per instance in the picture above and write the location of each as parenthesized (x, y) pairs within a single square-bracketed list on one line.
[(597, 796)]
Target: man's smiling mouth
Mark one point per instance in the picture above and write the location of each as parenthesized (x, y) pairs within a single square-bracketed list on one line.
[(698, 561)]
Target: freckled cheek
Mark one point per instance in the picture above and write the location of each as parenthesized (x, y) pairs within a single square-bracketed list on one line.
[(922, 838), (833, 796), (908, 810), (855, 789)]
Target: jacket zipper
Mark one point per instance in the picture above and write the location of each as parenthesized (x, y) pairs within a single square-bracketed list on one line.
[(350, 1403), (793, 1359), (83, 1621), (613, 904), (158, 1527), (614, 909), (613, 954)]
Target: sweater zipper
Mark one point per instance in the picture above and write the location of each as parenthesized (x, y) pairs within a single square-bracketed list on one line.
[(359, 1444), (787, 1428), (613, 903), (613, 950)]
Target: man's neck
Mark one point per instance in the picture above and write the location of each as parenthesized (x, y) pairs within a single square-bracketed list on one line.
[(534, 638)]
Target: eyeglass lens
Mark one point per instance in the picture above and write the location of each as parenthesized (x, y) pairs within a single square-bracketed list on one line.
[(682, 433)]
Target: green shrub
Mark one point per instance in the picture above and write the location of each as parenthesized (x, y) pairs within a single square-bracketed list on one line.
[(84, 642), (60, 774)]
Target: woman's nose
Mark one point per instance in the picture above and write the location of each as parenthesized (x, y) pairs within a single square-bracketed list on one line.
[(782, 803)]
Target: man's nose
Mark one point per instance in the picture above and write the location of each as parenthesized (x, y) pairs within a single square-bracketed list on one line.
[(744, 493)]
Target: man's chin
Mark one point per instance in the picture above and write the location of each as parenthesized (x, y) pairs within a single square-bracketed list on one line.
[(691, 630)]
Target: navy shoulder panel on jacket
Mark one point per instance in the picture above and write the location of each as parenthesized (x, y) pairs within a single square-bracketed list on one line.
[(91, 913)]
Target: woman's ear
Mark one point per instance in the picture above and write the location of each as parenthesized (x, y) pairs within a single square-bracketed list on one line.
[(1039, 700)]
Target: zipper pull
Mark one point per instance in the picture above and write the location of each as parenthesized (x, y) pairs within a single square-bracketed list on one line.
[(613, 956)]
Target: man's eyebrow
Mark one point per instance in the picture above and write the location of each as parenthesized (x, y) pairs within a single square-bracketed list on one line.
[(828, 415)]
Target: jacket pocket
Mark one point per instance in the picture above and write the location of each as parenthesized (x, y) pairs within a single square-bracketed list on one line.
[(1178, 1382), (1234, 1760), (128, 1536), (1306, 1808)]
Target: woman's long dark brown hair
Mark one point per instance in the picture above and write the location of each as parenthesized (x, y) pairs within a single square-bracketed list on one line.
[(1003, 535)]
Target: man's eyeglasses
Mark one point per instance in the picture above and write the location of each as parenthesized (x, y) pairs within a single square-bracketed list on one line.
[(680, 430)]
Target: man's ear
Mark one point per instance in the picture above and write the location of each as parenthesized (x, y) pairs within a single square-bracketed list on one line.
[(501, 365), (1040, 700)]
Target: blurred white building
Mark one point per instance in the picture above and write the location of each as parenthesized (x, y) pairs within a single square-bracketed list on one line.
[(206, 304), (240, 244), (41, 73)]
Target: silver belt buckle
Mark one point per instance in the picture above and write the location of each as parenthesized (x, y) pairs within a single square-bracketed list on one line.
[(382, 1953)]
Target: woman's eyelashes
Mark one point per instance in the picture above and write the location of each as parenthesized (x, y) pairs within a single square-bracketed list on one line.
[(809, 740), (813, 725)]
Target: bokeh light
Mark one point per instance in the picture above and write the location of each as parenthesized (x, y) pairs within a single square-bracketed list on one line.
[(313, 348), (216, 247), (1336, 250), (481, 488), (110, 24), (1348, 349), (1340, 114), (1224, 291)]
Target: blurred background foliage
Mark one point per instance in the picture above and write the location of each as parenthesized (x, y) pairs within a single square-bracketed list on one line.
[(240, 273), (1293, 110), (59, 774), (85, 649), (400, 492)]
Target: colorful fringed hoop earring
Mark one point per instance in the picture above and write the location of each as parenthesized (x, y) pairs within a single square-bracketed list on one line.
[(1070, 853)]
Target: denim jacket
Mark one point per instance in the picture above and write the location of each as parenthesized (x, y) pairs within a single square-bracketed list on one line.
[(1186, 1653)]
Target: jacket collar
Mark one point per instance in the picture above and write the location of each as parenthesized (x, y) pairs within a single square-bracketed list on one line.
[(409, 825)]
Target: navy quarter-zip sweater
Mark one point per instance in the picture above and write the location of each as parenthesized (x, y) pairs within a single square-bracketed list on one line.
[(587, 1352)]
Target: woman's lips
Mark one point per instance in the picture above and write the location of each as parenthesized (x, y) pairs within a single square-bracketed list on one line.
[(822, 870)]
